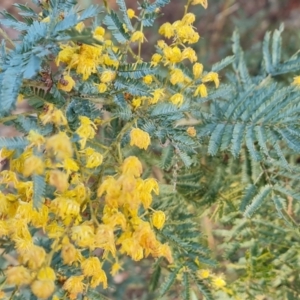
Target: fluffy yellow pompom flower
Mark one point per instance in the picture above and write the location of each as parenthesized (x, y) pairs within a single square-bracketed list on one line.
[(177, 76), (197, 70), (66, 83), (33, 165), (202, 2), (191, 131), (166, 30), (148, 79), (218, 282), (18, 275), (201, 90), (35, 139), (189, 53), (177, 99), (212, 76), (99, 277), (158, 219), (99, 33), (296, 80), (173, 55), (137, 36), (132, 166), (188, 19), (93, 158), (59, 145), (74, 285), (108, 76), (102, 87), (59, 179), (139, 138), (90, 266), (203, 274), (83, 236), (130, 13), (43, 289)]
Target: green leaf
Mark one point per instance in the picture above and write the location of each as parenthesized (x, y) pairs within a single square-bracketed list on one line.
[(126, 19), (114, 24), (169, 281), (186, 286), (13, 143), (39, 187), (204, 289), (257, 201)]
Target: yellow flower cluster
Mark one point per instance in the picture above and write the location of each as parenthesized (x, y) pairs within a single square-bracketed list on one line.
[(84, 210)]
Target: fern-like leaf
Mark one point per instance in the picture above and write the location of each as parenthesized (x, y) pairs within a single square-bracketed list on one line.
[(257, 201), (39, 187), (169, 281)]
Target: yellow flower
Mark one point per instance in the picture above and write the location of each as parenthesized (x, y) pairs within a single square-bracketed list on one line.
[(108, 76), (70, 254), (33, 257), (86, 130), (94, 159), (33, 165), (186, 34), (19, 100), (202, 2), (79, 26), (201, 90), (102, 87), (131, 247), (132, 166), (189, 53), (43, 289), (115, 268), (203, 274), (173, 55), (155, 59), (177, 76), (99, 33), (137, 36), (296, 80), (35, 139), (86, 60), (59, 179), (105, 239), (90, 266), (66, 54), (136, 102), (52, 115), (67, 209), (177, 99), (158, 219), (165, 250), (59, 145), (18, 275), (66, 83), (46, 273), (218, 282), (130, 13), (166, 30), (212, 76), (83, 236), (139, 138), (74, 286), (197, 70), (191, 131), (158, 94), (99, 277), (188, 19), (148, 79)]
